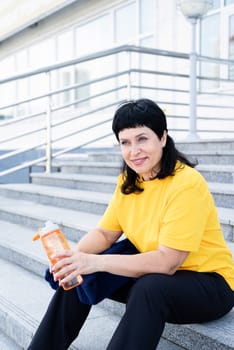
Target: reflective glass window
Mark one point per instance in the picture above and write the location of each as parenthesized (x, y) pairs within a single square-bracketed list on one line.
[(228, 2), (210, 46), (42, 54), (93, 36), (216, 4), (231, 45), (126, 23), (65, 46), (147, 16)]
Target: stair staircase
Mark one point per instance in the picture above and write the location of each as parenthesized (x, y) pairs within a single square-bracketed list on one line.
[(74, 196)]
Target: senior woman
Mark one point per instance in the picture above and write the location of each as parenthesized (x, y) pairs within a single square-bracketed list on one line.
[(181, 270)]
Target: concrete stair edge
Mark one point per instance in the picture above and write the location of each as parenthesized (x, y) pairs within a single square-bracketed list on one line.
[(7, 343), (16, 323), (74, 222)]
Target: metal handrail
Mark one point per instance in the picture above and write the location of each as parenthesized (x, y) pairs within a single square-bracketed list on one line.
[(20, 151), (129, 86), (94, 56), (108, 52), (103, 93), (67, 88), (94, 110), (20, 119)]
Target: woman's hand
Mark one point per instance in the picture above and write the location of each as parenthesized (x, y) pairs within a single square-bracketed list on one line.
[(71, 264)]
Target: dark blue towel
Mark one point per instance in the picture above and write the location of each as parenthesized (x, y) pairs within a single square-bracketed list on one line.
[(100, 285)]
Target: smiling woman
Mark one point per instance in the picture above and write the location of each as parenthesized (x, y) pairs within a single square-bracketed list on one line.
[(178, 256), (163, 155)]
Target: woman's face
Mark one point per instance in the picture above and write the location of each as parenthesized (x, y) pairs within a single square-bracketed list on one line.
[(142, 150)]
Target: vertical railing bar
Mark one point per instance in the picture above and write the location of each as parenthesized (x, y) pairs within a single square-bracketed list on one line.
[(129, 76), (48, 126), (192, 135)]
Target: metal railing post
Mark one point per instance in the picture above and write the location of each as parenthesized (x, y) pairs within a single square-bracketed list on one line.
[(48, 126), (193, 84), (129, 92)]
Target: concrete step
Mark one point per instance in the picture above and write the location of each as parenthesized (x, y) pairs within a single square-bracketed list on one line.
[(74, 223), (93, 155), (7, 343), (81, 167), (92, 202), (217, 173), (205, 145), (223, 194), (23, 310), (88, 167), (112, 156), (104, 183), (87, 182), (226, 218), (212, 157)]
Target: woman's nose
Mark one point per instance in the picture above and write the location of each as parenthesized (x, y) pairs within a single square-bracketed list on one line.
[(135, 149)]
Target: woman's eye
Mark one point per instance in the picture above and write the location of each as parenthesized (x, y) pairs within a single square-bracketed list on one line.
[(142, 138), (123, 143)]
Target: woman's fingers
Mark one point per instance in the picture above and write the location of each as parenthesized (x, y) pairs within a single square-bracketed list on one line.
[(71, 264), (61, 260)]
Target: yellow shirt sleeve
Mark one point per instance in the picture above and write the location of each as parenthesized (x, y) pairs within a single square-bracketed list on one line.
[(185, 218)]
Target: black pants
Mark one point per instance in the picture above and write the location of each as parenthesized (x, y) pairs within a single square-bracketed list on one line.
[(153, 300)]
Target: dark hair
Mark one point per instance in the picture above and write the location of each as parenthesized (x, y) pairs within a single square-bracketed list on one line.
[(145, 112)]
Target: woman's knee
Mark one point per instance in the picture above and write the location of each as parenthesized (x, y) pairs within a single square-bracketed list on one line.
[(151, 286)]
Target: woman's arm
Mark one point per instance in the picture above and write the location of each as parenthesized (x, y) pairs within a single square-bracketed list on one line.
[(96, 241), (164, 260)]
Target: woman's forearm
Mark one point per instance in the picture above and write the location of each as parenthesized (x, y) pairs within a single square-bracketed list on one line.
[(96, 241), (158, 261), (132, 265), (163, 260)]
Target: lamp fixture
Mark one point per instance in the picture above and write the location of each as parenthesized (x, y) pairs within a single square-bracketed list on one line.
[(194, 9)]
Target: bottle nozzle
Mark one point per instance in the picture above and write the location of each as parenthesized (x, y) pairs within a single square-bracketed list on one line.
[(37, 235)]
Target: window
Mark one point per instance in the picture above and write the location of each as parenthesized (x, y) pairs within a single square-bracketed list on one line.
[(65, 46), (228, 2), (215, 4), (7, 91), (126, 24), (93, 36), (65, 51), (42, 54), (210, 46), (22, 85), (146, 16), (231, 46)]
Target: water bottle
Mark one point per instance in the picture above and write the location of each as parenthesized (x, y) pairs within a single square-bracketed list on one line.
[(54, 241)]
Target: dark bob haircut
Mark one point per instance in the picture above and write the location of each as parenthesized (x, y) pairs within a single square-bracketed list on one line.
[(145, 112)]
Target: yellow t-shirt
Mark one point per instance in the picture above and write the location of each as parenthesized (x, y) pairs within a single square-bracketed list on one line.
[(177, 212)]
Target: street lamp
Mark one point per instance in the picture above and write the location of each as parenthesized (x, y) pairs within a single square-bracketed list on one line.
[(193, 10)]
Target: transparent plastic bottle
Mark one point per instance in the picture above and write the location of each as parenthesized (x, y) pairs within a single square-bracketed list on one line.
[(53, 241)]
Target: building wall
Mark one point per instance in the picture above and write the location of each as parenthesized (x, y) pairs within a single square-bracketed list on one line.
[(167, 22), (86, 26), (17, 15), (170, 30)]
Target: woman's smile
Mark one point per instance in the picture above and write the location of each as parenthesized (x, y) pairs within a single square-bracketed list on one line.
[(139, 161)]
